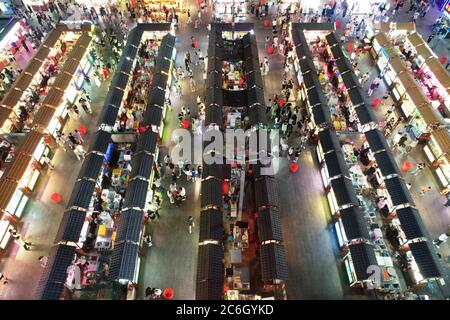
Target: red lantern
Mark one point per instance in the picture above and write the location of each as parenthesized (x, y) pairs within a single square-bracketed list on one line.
[(266, 23), (376, 103), (168, 293), (350, 47), (225, 187), (82, 128), (56, 197), (443, 60), (293, 167), (406, 166), (338, 24), (185, 123)]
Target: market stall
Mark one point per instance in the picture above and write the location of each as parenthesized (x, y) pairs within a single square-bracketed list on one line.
[(437, 151), (406, 92), (226, 10), (22, 101), (13, 39), (423, 263)]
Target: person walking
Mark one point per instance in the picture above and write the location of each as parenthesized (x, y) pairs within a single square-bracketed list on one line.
[(447, 204), (18, 239), (60, 140), (79, 151), (192, 83), (43, 261), (425, 190), (78, 137), (3, 278), (191, 223), (420, 167), (72, 140), (402, 142), (47, 161), (371, 89), (189, 19)]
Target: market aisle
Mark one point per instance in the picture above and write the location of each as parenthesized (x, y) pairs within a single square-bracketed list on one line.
[(42, 217), (310, 244), (172, 260)]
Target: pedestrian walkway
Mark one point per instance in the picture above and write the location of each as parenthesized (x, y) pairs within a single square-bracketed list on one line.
[(172, 260)]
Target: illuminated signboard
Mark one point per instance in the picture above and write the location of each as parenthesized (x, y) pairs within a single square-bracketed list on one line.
[(446, 8)]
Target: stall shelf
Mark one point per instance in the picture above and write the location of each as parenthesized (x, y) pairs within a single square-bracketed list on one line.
[(7, 190), (356, 96), (153, 116), (123, 261), (54, 277), (376, 140), (398, 191), (92, 165), (214, 97), (321, 114), (387, 164), (336, 165), (361, 256), (147, 142), (210, 265), (211, 225), (136, 195), (100, 142), (81, 194), (411, 223), (343, 192), (331, 39), (211, 192), (354, 224), (329, 141), (365, 114), (266, 192), (30, 142), (18, 167), (108, 116), (130, 226), (70, 227), (142, 165), (273, 262), (269, 224), (209, 289), (426, 258)]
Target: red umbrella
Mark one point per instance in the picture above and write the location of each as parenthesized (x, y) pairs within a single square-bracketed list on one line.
[(168, 293), (406, 166), (56, 197), (350, 47), (376, 103), (293, 167), (82, 128)]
